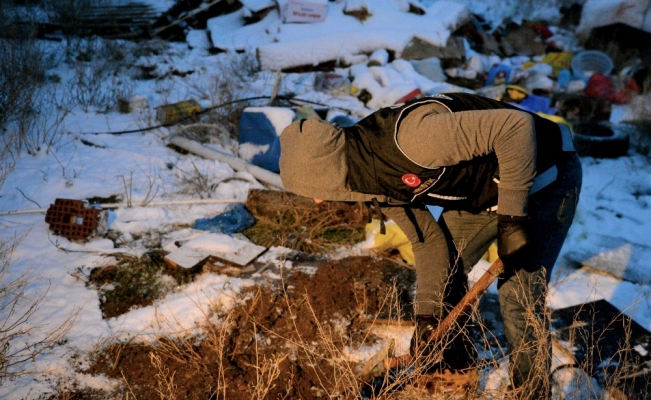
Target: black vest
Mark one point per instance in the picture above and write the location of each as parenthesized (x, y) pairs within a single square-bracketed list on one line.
[(379, 167)]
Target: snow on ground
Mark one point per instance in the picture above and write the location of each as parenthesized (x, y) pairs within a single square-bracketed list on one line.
[(612, 224)]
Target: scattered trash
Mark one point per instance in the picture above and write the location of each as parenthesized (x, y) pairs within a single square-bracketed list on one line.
[(614, 256), (521, 39), (600, 85), (640, 134), (257, 5), (588, 62), (75, 220), (429, 68), (305, 11), (597, 139), (499, 74), (461, 73), (357, 11), (564, 78), (492, 91), (559, 60), (138, 103), (173, 113), (215, 251), (394, 238), (378, 58), (520, 97), (340, 118), (581, 107), (305, 113), (232, 221), (126, 106), (414, 94), (420, 48), (333, 84), (238, 164)]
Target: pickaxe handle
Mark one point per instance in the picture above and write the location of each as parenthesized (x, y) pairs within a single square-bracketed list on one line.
[(461, 308)]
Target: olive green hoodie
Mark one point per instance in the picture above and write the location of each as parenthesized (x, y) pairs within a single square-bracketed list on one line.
[(313, 152), (313, 162)]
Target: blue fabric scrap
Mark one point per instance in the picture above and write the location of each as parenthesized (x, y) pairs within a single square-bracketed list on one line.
[(235, 220)]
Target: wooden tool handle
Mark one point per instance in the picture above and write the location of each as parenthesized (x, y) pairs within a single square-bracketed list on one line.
[(463, 306), (468, 300)]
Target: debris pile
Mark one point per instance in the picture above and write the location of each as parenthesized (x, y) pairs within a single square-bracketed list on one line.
[(573, 72)]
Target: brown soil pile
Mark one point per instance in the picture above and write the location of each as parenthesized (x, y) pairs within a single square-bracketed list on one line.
[(286, 340)]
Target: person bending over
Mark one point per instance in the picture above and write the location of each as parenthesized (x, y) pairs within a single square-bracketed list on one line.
[(498, 172)]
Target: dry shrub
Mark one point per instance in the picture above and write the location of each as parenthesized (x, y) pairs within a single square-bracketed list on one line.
[(22, 70), (230, 82), (603, 341), (288, 339), (8, 158), (134, 282), (285, 219), (16, 311), (292, 338)]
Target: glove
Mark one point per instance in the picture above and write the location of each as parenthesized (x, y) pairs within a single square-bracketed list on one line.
[(513, 243)]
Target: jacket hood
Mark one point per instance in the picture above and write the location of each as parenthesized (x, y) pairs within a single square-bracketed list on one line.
[(313, 161)]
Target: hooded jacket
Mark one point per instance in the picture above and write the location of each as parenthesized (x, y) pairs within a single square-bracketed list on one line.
[(319, 160), (445, 132)]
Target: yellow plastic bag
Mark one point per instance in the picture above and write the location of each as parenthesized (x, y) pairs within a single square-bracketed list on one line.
[(394, 238), (491, 253), (558, 61)]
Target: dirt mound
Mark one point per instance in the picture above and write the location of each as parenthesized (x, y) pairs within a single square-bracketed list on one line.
[(284, 340)]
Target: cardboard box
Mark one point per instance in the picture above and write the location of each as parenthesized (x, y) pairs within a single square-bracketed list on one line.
[(305, 11)]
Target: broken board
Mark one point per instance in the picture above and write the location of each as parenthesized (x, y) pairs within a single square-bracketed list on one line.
[(230, 261)]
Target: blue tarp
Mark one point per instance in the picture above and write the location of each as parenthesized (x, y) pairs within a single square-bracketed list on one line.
[(235, 220), (256, 128)]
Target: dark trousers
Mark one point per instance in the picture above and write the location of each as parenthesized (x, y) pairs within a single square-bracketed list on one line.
[(521, 295)]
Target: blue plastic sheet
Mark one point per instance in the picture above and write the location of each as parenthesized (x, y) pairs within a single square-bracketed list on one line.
[(235, 220), (255, 128), (535, 103)]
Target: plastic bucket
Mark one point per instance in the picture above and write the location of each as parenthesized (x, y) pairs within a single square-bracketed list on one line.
[(588, 62)]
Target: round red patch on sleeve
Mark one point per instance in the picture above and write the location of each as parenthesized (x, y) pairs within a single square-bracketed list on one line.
[(410, 180)]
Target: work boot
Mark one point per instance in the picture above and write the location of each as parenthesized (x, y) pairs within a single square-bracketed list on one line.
[(449, 385), (456, 352), (419, 345), (423, 351), (460, 353)]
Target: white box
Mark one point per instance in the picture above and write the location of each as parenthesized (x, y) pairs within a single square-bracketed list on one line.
[(305, 11)]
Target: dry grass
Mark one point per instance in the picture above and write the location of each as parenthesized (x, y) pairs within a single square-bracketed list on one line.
[(133, 282), (229, 81), (300, 224), (21, 339), (241, 338)]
